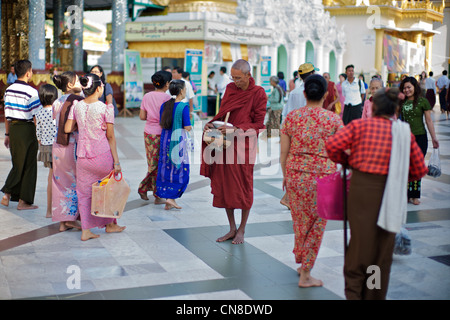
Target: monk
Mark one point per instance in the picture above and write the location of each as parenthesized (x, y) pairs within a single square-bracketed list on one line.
[(231, 169)]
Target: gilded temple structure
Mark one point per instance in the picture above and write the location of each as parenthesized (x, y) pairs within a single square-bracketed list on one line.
[(393, 37)]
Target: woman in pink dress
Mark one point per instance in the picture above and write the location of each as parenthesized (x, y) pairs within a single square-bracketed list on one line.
[(96, 151), (150, 110), (342, 78), (303, 158), (64, 195)]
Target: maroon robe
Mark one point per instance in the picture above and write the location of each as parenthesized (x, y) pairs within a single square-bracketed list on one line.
[(331, 96), (231, 170)]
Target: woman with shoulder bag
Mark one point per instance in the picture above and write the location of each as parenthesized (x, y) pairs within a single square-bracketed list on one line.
[(376, 211)]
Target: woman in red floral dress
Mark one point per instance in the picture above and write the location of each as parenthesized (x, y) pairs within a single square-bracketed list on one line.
[(303, 158)]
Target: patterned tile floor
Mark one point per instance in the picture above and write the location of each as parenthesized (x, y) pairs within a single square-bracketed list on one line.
[(173, 255)]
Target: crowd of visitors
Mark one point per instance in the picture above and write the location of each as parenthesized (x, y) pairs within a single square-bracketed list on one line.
[(320, 124)]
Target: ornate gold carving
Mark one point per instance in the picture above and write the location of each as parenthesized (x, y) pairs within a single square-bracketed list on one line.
[(115, 79), (163, 3), (401, 9), (37, 79), (226, 6)]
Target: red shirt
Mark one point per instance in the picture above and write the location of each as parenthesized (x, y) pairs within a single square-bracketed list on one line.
[(370, 142)]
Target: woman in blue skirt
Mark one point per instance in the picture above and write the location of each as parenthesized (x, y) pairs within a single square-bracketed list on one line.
[(173, 165)]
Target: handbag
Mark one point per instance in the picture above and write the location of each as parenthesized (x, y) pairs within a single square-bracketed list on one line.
[(402, 244), (434, 164), (331, 195), (109, 196)]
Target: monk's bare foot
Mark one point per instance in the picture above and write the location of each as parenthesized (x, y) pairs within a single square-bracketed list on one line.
[(239, 238), (228, 236), (170, 204), (22, 205), (158, 200), (87, 234), (48, 214), (112, 227), (5, 199)]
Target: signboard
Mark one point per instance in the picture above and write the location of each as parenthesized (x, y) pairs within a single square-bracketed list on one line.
[(266, 66), (217, 31), (193, 62), (197, 30), (164, 31), (134, 84)]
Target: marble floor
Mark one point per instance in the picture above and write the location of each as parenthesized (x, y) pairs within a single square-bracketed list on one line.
[(173, 254)]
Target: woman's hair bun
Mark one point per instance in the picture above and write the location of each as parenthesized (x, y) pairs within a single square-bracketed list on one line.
[(315, 87), (57, 80), (84, 81)]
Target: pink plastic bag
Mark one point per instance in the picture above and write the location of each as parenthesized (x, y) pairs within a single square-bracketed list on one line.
[(109, 200), (330, 196)]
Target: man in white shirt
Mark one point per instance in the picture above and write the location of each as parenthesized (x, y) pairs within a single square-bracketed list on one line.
[(442, 83), (296, 98), (353, 90), (430, 89), (177, 75), (222, 85)]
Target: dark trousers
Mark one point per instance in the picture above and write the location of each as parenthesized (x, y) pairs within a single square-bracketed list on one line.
[(21, 180), (351, 113), (212, 105), (415, 186), (443, 99), (431, 97), (370, 246)]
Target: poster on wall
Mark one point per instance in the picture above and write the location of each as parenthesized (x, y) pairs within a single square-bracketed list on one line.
[(266, 65), (134, 83), (395, 54), (193, 60)]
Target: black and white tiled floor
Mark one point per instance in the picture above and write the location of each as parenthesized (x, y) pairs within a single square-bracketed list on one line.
[(173, 255)]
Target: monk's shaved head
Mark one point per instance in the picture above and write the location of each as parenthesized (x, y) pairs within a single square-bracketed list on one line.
[(241, 65)]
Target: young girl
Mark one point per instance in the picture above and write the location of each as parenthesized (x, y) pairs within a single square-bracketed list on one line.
[(45, 133), (64, 184), (375, 84), (150, 112), (173, 166), (96, 151)]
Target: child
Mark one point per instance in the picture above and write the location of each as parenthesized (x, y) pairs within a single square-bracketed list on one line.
[(375, 84), (45, 133)]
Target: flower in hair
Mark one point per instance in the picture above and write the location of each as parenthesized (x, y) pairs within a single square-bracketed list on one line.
[(89, 84), (174, 96)]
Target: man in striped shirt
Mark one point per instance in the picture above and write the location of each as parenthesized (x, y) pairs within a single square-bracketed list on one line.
[(21, 105)]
